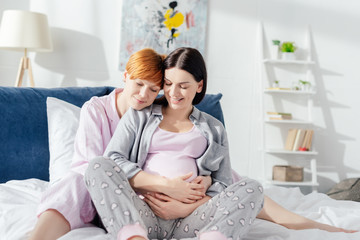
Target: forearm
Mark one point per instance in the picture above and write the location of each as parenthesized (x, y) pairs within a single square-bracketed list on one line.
[(189, 208), (176, 188), (145, 182), (168, 208)]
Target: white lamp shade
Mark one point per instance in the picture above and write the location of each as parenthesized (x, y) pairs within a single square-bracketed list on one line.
[(24, 29)]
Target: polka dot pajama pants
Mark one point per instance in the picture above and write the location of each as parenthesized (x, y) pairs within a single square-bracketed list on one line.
[(227, 215)]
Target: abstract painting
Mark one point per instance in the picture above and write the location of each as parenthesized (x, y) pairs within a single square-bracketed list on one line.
[(163, 25)]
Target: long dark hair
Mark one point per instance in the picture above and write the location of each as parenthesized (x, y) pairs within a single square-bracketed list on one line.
[(190, 60)]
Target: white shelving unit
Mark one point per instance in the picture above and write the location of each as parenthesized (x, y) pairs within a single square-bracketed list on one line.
[(274, 132)]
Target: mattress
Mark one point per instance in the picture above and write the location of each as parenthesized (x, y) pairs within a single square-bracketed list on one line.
[(19, 200)]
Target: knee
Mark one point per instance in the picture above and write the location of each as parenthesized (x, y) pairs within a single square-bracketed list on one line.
[(252, 190), (251, 186), (95, 164), (100, 167), (73, 179)]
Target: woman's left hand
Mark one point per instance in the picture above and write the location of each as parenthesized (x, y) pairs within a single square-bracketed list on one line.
[(203, 180), (166, 207)]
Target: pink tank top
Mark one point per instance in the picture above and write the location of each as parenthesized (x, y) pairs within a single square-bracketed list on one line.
[(174, 154)]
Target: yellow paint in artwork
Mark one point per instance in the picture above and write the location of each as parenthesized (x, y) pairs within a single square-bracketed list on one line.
[(175, 21), (176, 34)]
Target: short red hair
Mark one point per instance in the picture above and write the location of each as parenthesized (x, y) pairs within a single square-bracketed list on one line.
[(146, 64)]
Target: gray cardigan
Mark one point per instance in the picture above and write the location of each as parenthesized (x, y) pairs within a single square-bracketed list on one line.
[(131, 141)]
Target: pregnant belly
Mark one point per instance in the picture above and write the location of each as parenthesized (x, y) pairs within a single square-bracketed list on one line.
[(170, 166)]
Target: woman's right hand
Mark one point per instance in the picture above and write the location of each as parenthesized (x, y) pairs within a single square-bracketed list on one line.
[(187, 192), (168, 208)]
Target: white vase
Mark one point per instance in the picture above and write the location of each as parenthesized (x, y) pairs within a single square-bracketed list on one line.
[(275, 52), (288, 56)]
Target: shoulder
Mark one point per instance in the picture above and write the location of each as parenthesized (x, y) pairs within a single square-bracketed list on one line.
[(143, 114), (154, 109), (100, 105), (212, 127), (207, 118)]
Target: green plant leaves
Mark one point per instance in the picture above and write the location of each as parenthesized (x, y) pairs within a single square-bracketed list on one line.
[(288, 47)]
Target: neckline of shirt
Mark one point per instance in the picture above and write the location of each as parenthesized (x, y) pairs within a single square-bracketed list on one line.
[(192, 129)]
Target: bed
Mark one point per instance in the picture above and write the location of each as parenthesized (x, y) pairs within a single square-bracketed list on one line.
[(43, 156), (19, 199)]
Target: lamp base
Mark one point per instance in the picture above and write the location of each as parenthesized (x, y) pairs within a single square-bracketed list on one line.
[(24, 65)]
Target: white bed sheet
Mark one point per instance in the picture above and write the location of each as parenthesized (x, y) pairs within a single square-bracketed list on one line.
[(19, 200)]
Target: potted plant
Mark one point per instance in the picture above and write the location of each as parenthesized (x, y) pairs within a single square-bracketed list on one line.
[(275, 84), (288, 50), (304, 85), (275, 48)]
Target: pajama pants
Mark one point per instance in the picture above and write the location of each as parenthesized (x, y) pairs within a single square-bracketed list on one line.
[(125, 214)]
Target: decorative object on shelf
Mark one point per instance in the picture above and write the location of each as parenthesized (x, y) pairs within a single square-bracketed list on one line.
[(288, 50), (278, 116), (295, 86), (286, 173), (304, 85), (279, 88), (25, 31), (275, 84), (275, 49)]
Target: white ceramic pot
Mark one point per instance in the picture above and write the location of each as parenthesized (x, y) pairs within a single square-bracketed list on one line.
[(275, 52), (288, 56)]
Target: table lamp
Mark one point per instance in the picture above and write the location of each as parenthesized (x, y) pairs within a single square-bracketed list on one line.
[(25, 31)]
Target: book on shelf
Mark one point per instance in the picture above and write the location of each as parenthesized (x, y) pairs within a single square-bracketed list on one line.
[(279, 113), (278, 116), (306, 138), (299, 139), (290, 139), (278, 88), (309, 141)]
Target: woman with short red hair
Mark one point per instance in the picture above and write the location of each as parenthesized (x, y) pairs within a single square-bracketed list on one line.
[(67, 205)]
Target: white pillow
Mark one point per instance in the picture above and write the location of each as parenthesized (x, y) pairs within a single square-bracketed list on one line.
[(63, 122)]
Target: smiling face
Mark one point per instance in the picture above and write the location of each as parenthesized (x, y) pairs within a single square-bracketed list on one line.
[(139, 93), (180, 88)]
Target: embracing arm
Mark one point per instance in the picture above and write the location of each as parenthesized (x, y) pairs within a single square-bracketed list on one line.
[(176, 188), (92, 135), (168, 208)]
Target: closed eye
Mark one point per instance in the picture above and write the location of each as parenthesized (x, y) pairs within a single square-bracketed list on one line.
[(154, 90)]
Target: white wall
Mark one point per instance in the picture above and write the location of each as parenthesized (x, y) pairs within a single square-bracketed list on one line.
[(86, 39)]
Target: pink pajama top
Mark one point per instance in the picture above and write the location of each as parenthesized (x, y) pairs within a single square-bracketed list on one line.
[(69, 196), (174, 154), (98, 121)]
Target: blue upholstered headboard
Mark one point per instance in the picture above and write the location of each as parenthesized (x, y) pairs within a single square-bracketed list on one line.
[(24, 150)]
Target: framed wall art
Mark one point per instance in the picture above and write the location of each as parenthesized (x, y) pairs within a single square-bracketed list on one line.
[(162, 25)]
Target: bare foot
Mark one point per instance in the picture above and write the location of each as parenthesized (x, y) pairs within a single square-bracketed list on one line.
[(330, 228), (344, 230), (348, 231), (137, 238)]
